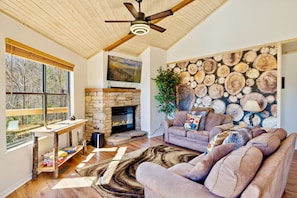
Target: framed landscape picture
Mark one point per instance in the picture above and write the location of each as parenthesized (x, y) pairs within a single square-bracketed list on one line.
[(122, 69)]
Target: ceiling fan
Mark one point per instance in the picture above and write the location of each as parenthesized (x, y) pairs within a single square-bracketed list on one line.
[(142, 24)]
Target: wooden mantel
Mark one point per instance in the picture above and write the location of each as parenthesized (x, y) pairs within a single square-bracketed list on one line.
[(111, 90)]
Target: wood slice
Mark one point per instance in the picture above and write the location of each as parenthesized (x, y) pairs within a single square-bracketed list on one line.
[(176, 70), (234, 83), (199, 76), (250, 82), (226, 94), (184, 77), (171, 65), (265, 114), (199, 62), (219, 106), (250, 56), (209, 79), (254, 96), (185, 97), (265, 62), (223, 71), (267, 82), (206, 101), (192, 79), (183, 64), (209, 66), (247, 90), (218, 58), (193, 84), (221, 80), (273, 51), (270, 122), (192, 68), (252, 73), (233, 58), (236, 111), (233, 99), (270, 99), (196, 105), (241, 67), (200, 90), (216, 91), (256, 119), (264, 50), (199, 100), (193, 60), (273, 110)]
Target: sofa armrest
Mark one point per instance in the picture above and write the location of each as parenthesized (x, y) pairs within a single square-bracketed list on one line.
[(166, 124), (160, 182), (219, 129)]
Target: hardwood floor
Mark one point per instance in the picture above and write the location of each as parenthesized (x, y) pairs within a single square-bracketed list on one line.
[(45, 186)]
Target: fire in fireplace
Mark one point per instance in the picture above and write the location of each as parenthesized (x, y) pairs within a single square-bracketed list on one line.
[(123, 119)]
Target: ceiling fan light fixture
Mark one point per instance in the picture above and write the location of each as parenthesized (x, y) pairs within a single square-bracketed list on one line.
[(140, 27)]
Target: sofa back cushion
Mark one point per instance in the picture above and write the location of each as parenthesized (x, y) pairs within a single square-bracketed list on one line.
[(180, 118), (230, 175), (202, 167), (279, 132), (266, 142), (212, 120)]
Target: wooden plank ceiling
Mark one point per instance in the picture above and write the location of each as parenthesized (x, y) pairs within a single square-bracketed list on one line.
[(79, 24)]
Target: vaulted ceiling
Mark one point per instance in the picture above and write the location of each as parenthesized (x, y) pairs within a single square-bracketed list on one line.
[(79, 24)]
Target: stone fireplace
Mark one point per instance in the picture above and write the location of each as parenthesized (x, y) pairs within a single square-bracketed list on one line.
[(99, 104)]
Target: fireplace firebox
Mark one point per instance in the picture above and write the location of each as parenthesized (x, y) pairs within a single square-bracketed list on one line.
[(123, 119)]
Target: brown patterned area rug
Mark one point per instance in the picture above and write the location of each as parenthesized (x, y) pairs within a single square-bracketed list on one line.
[(123, 182)]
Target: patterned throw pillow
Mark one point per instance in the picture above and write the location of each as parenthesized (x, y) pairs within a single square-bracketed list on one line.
[(217, 140), (192, 122)]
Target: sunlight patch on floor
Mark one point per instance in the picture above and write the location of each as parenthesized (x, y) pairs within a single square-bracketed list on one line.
[(113, 149), (105, 179), (74, 182)]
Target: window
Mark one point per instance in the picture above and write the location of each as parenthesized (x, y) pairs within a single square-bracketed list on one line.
[(36, 92)]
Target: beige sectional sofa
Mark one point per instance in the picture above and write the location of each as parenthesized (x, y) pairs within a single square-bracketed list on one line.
[(210, 125), (258, 169)]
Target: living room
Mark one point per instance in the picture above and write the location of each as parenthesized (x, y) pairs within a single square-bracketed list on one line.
[(236, 25)]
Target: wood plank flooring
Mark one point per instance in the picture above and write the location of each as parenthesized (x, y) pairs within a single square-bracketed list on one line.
[(45, 186)]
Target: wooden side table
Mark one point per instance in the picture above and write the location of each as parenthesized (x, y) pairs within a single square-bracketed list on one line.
[(54, 130)]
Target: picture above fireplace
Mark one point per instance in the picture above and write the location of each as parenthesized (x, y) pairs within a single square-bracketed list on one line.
[(125, 70)]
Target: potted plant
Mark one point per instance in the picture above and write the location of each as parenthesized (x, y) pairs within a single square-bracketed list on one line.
[(166, 82)]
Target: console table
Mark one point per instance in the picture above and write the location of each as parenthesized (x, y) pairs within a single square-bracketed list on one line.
[(54, 130)]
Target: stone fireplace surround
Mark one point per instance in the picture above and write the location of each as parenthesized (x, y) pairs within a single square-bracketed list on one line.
[(99, 102)]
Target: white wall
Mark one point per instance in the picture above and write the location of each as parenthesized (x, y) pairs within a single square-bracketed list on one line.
[(16, 164), (152, 58), (238, 24)]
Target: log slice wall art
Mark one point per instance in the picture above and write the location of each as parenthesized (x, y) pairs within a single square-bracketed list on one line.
[(227, 80)]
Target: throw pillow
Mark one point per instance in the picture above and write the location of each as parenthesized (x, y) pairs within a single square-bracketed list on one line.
[(212, 120), (180, 118), (192, 122), (256, 131), (267, 143), (203, 118), (239, 137), (200, 171), (230, 175), (217, 140)]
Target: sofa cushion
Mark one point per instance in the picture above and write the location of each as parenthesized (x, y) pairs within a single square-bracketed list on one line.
[(180, 118), (279, 132), (230, 175), (217, 140), (256, 131), (239, 137), (205, 163), (203, 118), (181, 169), (212, 120), (267, 143), (177, 130), (198, 135), (192, 122)]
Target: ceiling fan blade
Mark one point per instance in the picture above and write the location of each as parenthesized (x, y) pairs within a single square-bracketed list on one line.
[(157, 28), (117, 21), (159, 15), (131, 9)]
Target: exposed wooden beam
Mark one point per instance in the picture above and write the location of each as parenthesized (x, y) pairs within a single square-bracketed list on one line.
[(129, 36)]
